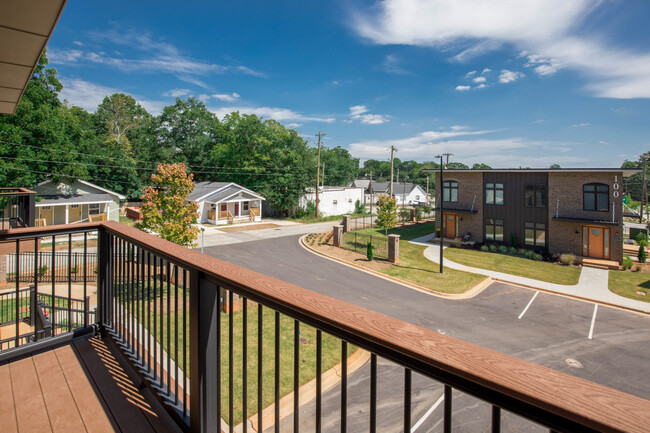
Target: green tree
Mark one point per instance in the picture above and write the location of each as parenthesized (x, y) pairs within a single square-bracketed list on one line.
[(481, 166), (387, 213), (642, 255), (165, 209), (369, 255), (555, 166), (117, 116), (339, 166)]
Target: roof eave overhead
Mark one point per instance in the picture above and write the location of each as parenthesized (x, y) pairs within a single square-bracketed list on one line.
[(25, 29)]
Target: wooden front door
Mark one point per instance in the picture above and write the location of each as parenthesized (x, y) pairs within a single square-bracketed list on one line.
[(237, 209), (224, 207), (450, 226), (596, 242)]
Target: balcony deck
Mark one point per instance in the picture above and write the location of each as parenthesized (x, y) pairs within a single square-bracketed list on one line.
[(78, 387)]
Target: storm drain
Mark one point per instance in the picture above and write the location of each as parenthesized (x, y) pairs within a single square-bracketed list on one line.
[(573, 363)]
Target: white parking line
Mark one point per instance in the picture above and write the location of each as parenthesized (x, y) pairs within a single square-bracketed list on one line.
[(429, 412), (530, 302), (593, 321)]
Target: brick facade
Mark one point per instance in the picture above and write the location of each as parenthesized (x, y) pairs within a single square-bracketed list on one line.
[(470, 185)]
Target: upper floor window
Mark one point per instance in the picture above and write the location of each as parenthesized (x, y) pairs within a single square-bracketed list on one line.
[(595, 196), (535, 196), (494, 193), (450, 190)]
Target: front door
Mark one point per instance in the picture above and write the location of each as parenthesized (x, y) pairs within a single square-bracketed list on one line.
[(450, 226), (596, 242), (237, 209)]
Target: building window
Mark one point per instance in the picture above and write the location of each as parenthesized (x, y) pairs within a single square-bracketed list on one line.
[(493, 230), (535, 196), (244, 205), (46, 208), (450, 191), (335, 202), (74, 206), (349, 200), (535, 234), (494, 193), (417, 198), (93, 209), (595, 196)]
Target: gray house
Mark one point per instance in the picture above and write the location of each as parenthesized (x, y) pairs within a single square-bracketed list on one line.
[(226, 202), (75, 202)]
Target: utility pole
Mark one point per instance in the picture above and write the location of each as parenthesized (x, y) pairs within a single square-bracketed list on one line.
[(392, 153), (323, 181), (644, 192), (404, 192), (426, 199), (372, 196), (319, 135), (442, 201)]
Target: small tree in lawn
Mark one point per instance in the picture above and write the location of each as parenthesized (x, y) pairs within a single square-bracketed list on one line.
[(642, 255), (164, 207), (369, 251), (387, 213)]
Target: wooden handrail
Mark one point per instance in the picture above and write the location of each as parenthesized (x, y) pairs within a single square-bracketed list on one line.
[(531, 390)]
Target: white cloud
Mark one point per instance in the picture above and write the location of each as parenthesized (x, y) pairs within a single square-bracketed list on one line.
[(481, 86), (78, 43), (581, 125), (545, 28), (391, 65), (177, 93), (293, 125), (462, 88), (479, 80), (64, 57), (360, 113), (486, 70), (470, 74), (498, 152), (541, 66), (279, 114), (228, 97), (507, 76), (89, 95)]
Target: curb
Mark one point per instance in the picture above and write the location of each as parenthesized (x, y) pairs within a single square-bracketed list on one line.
[(472, 292), (307, 392)]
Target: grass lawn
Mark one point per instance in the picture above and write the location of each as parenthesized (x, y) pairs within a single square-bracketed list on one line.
[(519, 266), (414, 267), (628, 283), (128, 221), (311, 219), (331, 355)]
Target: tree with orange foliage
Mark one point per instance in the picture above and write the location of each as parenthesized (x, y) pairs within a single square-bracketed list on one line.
[(165, 209)]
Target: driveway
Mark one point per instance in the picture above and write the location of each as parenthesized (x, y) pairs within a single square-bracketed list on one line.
[(612, 346)]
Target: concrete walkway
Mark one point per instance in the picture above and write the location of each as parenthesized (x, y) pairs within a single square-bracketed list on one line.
[(591, 286)]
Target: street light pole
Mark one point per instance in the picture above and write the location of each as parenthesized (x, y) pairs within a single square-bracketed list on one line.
[(442, 218), (202, 238)]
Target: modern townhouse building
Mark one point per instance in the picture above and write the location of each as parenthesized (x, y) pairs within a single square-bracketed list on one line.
[(577, 211)]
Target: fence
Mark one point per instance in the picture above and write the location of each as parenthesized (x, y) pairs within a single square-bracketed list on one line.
[(358, 242), (82, 266), (404, 215)]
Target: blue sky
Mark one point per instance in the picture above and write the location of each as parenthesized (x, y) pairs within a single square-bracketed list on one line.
[(505, 82)]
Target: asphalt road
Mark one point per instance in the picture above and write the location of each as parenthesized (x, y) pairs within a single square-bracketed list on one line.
[(548, 331)]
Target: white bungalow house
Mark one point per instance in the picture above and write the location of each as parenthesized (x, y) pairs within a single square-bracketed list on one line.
[(333, 200), (75, 202), (405, 193), (226, 202)]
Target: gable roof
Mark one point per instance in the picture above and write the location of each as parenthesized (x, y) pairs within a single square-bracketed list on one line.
[(219, 191), (92, 185), (398, 187), (49, 200)]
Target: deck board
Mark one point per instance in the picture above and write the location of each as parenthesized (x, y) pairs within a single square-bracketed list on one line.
[(7, 410), (31, 413), (61, 407)]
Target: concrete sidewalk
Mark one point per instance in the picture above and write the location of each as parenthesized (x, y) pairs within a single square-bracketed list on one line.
[(591, 286)]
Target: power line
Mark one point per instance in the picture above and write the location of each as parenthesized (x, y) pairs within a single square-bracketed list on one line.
[(5, 167)]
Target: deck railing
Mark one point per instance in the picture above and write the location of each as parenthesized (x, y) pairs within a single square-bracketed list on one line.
[(187, 321), (16, 208)]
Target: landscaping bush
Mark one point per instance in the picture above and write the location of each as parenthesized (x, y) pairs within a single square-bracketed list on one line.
[(567, 259), (369, 251), (502, 249), (405, 215), (493, 248), (530, 254), (359, 207), (418, 213), (485, 248), (641, 255), (637, 268), (513, 239), (627, 262), (522, 252), (537, 257), (458, 242), (513, 250), (641, 239)]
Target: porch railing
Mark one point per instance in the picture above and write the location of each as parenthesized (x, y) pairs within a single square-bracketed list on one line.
[(171, 311), (16, 208)]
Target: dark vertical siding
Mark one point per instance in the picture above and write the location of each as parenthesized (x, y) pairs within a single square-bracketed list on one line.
[(513, 212)]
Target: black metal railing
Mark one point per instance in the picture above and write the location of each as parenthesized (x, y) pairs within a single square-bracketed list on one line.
[(17, 208), (62, 266), (244, 343), (358, 242)]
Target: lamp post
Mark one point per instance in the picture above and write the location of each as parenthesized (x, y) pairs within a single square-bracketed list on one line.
[(442, 202), (202, 237)]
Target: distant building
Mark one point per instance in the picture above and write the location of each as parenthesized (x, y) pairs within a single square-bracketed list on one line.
[(334, 200), (578, 211), (226, 202), (74, 202), (405, 193)]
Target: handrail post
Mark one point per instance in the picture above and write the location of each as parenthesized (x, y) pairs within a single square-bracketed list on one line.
[(204, 314), (104, 276)]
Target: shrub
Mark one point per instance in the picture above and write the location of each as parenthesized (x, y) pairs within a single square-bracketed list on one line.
[(642, 256), (513, 250), (627, 262), (641, 239), (513, 239), (530, 254), (42, 270), (522, 252), (458, 241), (369, 251), (537, 257), (74, 270), (359, 207), (485, 248), (493, 248), (405, 215), (567, 259), (502, 249), (418, 213), (637, 268)]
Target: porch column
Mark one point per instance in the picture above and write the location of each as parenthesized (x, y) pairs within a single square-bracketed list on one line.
[(67, 213)]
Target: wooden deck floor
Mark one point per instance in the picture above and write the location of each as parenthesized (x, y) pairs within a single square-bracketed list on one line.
[(78, 387)]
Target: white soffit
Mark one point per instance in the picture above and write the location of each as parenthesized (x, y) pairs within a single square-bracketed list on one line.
[(25, 28)]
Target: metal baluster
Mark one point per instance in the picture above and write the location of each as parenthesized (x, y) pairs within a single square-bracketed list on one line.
[(155, 318), (69, 282), (34, 306), (447, 410), (176, 332), (231, 372), (296, 376), (319, 379), (496, 419), (162, 325), (277, 372), (344, 386), (53, 294), (169, 331), (16, 318), (245, 362), (185, 343), (260, 341), (373, 393), (407, 400), (148, 312), (218, 354), (85, 255)]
